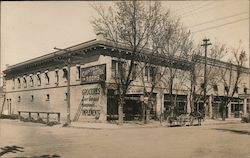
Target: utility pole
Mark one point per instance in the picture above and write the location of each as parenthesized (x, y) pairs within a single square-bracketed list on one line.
[(205, 44), (67, 62)]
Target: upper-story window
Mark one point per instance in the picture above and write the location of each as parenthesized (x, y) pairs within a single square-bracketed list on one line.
[(19, 82), (245, 90), (226, 88), (65, 73), (47, 97), (32, 98), (38, 75), (13, 82), (117, 68), (56, 76), (215, 88), (78, 72), (24, 82), (46, 76), (236, 89), (146, 73), (134, 71), (150, 72), (19, 99), (31, 80)]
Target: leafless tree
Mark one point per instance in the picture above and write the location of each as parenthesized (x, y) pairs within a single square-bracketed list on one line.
[(231, 77), (196, 73), (130, 24)]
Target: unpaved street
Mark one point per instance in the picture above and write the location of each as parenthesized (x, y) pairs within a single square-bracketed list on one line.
[(220, 141)]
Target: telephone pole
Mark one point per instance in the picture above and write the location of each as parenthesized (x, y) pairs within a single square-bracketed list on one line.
[(67, 62), (205, 44)]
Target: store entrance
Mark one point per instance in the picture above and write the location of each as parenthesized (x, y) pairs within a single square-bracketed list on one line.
[(132, 110)]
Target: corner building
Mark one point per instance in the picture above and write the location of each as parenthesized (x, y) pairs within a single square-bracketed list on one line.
[(40, 85)]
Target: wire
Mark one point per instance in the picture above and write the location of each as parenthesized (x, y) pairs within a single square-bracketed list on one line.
[(225, 17), (195, 9), (213, 27)]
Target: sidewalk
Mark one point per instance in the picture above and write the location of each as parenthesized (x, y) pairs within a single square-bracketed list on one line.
[(126, 125), (152, 124), (219, 121)]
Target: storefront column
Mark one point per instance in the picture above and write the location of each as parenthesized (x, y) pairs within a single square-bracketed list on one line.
[(159, 104), (229, 110), (245, 106), (210, 106), (188, 104)]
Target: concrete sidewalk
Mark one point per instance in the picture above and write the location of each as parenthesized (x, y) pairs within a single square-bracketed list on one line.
[(219, 121), (152, 124), (127, 125)]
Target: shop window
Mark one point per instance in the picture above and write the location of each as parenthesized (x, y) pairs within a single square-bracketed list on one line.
[(32, 98), (24, 82), (47, 97), (78, 72), (57, 77), (31, 81), (38, 79), (19, 82), (47, 77), (19, 99)]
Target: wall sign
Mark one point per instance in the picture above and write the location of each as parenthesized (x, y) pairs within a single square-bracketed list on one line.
[(93, 74), (91, 97)]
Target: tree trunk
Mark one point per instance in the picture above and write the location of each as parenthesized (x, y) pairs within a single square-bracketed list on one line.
[(120, 112), (147, 116), (143, 112)]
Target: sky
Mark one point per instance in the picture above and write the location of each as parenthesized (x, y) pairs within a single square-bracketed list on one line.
[(30, 29)]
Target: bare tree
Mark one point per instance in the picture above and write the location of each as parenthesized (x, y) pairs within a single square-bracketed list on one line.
[(196, 87), (231, 77), (177, 46), (130, 24)]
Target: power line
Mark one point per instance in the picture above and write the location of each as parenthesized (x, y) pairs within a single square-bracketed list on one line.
[(218, 19), (213, 27), (209, 8), (194, 10)]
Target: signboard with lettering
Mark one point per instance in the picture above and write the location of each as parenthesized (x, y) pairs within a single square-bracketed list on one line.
[(90, 102), (93, 74)]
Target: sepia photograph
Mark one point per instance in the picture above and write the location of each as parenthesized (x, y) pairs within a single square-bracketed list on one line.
[(125, 79)]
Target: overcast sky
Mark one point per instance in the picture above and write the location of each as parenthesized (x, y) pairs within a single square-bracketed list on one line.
[(31, 29)]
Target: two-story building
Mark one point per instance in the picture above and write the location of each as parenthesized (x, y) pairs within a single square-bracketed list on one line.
[(41, 84)]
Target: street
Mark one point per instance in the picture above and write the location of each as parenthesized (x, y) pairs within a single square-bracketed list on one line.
[(211, 141)]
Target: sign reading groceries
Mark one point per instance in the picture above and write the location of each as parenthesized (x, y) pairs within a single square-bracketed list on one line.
[(93, 74)]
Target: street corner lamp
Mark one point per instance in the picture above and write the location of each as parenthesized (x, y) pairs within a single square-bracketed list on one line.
[(67, 62)]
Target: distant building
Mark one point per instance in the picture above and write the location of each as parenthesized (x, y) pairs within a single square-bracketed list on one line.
[(40, 84)]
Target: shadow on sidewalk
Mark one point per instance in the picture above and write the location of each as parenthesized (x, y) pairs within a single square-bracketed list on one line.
[(234, 131)]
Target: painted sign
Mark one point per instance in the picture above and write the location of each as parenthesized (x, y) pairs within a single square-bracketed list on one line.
[(93, 74), (90, 102)]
